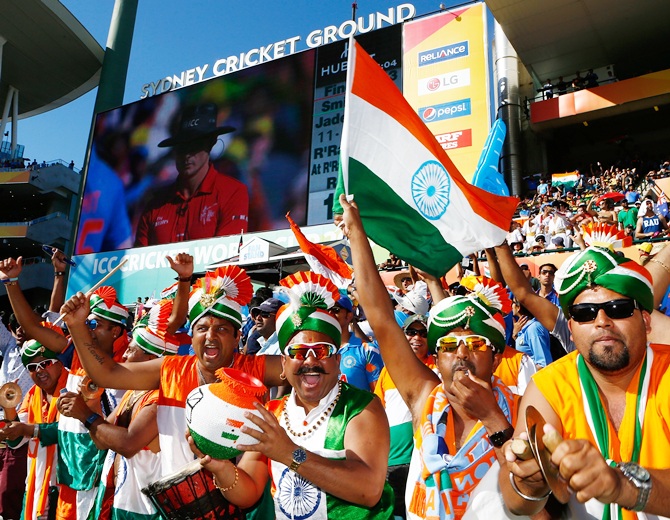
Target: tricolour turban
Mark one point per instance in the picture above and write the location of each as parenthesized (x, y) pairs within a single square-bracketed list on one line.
[(598, 266), (221, 293), (310, 295), (105, 305), (481, 311), (150, 333)]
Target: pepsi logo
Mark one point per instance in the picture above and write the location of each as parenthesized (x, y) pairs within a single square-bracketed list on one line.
[(429, 114)]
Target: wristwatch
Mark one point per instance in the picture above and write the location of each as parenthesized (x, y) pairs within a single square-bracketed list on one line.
[(501, 437), (641, 479), (299, 456)]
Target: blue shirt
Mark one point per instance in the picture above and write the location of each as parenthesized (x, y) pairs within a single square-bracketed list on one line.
[(552, 297), (533, 339), (360, 363)]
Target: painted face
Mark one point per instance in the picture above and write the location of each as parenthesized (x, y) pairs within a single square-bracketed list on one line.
[(610, 344), (311, 378)]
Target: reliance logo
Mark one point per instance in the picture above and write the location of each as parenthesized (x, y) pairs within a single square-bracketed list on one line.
[(459, 108), (448, 52)]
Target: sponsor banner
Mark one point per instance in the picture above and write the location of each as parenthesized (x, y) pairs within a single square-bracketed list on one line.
[(457, 139), (446, 78), (147, 271)]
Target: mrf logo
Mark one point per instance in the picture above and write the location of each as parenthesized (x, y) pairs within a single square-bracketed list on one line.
[(459, 108), (457, 139), (448, 52)]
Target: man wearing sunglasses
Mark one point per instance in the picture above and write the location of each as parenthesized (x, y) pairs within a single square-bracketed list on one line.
[(327, 442), (602, 398), (37, 413), (399, 415), (79, 473), (461, 421)]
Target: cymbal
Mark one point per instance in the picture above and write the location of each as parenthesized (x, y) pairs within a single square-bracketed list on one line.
[(10, 395), (89, 390)]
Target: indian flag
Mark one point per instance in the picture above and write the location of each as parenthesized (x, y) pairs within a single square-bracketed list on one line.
[(323, 259), (412, 199), (567, 181)]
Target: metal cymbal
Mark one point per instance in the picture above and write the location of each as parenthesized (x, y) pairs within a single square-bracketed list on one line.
[(10, 395), (89, 390), (535, 427)]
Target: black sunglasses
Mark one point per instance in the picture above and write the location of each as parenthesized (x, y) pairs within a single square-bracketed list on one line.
[(615, 309), (416, 332), (265, 314)]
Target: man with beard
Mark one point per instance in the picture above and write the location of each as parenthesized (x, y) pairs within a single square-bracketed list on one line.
[(460, 422), (601, 398), (327, 442)]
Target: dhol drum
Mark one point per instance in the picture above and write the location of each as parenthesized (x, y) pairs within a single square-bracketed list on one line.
[(190, 494)]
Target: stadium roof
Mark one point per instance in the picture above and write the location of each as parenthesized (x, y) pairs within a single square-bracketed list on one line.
[(48, 55), (556, 38)]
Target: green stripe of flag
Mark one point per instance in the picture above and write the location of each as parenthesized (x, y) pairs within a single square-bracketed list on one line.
[(404, 232)]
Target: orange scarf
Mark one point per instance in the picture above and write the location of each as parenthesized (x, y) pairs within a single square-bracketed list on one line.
[(36, 415)]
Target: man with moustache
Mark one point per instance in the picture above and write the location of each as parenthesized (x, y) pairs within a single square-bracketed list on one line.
[(80, 461), (214, 310), (34, 429), (327, 442), (609, 399), (461, 422)]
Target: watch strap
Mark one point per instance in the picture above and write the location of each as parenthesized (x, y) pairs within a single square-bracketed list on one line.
[(501, 437)]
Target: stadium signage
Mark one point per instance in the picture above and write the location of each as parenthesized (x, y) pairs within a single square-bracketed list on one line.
[(273, 51)]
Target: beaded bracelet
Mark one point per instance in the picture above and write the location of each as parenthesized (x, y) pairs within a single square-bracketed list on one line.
[(223, 490), (526, 497)]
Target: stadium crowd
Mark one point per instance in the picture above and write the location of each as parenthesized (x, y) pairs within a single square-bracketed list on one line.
[(457, 370)]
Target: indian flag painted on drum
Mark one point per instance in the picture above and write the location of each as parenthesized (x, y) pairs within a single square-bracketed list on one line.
[(411, 197), (215, 413)]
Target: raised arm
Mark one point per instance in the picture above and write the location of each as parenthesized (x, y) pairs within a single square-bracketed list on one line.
[(413, 379), (60, 275), (545, 311), (10, 270), (103, 370), (494, 267), (659, 268), (183, 266)]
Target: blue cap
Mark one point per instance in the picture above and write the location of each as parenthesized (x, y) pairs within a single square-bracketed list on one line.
[(346, 303)]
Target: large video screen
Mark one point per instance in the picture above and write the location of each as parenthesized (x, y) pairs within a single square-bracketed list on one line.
[(217, 158)]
